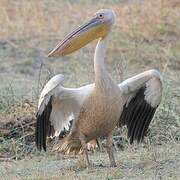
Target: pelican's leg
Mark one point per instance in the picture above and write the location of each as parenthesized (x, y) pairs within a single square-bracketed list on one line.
[(109, 147), (85, 149), (99, 144)]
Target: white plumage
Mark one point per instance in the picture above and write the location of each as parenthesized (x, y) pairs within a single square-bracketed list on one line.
[(96, 109), (67, 102)]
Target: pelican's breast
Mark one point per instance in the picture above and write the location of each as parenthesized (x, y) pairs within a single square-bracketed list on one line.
[(99, 114)]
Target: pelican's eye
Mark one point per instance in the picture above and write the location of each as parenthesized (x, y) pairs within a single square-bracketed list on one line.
[(100, 16)]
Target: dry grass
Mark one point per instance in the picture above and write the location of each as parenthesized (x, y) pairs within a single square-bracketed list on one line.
[(147, 35), (149, 20), (160, 162)]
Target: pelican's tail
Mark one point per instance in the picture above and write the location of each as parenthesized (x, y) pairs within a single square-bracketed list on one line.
[(69, 145)]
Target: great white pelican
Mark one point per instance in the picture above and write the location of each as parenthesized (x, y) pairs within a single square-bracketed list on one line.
[(96, 109)]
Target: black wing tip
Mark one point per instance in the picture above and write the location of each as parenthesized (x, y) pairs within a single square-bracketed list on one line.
[(41, 149), (140, 134), (43, 126), (137, 117), (40, 134)]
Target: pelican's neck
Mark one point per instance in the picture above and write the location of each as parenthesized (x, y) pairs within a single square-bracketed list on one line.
[(100, 51)]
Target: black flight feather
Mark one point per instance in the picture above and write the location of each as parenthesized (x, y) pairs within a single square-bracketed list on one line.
[(43, 126), (137, 115)]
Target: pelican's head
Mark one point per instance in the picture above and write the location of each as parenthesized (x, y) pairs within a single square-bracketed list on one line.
[(97, 27)]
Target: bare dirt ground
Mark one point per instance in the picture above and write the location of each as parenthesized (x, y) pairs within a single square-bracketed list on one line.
[(146, 35)]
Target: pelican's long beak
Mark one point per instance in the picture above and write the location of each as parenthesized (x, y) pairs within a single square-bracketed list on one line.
[(93, 29)]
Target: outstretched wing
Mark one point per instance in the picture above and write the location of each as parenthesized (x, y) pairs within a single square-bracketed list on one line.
[(143, 93), (57, 107)]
